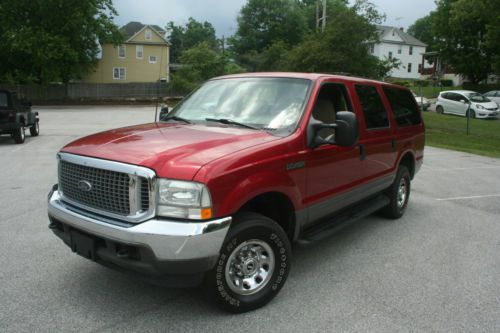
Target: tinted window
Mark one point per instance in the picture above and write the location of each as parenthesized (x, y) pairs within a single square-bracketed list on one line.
[(373, 109), (403, 105), (4, 102)]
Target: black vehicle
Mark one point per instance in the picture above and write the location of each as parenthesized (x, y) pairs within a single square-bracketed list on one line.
[(16, 115)]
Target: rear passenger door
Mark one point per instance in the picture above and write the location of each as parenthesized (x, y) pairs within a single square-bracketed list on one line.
[(377, 143)]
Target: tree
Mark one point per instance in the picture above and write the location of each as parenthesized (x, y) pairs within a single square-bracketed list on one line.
[(182, 38), (466, 36), (422, 30), (261, 23), (52, 40), (344, 45)]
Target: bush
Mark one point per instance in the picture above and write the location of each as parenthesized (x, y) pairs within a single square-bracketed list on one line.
[(421, 83), (481, 88), (447, 83), (402, 83)]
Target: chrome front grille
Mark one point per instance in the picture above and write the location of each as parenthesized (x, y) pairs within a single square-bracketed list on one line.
[(109, 190), (118, 190)]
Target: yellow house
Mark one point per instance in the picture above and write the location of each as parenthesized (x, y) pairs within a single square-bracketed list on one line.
[(144, 57)]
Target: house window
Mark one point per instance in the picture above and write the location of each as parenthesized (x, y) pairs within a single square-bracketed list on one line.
[(119, 73), (390, 55), (400, 49), (372, 48), (121, 51), (409, 67), (148, 34), (152, 59), (420, 68), (411, 50), (139, 51)]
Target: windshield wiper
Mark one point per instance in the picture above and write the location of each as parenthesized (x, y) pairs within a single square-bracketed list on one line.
[(230, 122), (177, 118)]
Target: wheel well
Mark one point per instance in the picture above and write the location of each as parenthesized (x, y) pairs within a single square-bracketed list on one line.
[(409, 161), (277, 207), (22, 120)]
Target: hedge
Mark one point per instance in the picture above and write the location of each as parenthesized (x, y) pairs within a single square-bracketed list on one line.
[(481, 88)]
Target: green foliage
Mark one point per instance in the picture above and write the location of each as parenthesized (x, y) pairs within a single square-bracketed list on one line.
[(261, 23), (402, 83), (467, 34), (481, 88), (446, 83), (53, 40), (182, 38), (421, 83), (422, 30)]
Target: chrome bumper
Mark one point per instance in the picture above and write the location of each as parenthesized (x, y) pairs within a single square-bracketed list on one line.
[(168, 240)]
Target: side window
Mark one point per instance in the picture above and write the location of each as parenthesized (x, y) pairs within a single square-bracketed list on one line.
[(373, 109), (4, 100), (332, 98), (403, 105)]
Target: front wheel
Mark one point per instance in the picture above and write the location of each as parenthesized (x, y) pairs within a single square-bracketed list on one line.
[(35, 129), (253, 264), (19, 135), (399, 194)]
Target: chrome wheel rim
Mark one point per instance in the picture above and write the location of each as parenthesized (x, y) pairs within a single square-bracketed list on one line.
[(250, 267), (37, 127), (402, 192)]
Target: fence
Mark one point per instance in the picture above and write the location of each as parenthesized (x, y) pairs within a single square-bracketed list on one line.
[(94, 91)]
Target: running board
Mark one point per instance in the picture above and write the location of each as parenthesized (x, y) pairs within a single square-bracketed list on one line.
[(343, 219)]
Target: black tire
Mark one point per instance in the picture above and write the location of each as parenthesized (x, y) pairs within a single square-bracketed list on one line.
[(19, 135), (35, 129), (439, 109), (244, 256), (472, 114), (397, 205)]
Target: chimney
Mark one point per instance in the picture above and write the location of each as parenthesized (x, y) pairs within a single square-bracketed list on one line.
[(402, 29)]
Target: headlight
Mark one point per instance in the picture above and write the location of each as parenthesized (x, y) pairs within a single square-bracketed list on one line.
[(182, 199), (480, 107)]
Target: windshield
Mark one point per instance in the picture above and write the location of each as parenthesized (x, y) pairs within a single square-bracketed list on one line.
[(478, 98), (263, 103)]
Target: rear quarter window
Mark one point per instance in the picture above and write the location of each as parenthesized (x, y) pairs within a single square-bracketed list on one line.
[(403, 106), (4, 101)]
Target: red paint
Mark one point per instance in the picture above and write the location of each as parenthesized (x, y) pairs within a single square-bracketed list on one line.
[(239, 164)]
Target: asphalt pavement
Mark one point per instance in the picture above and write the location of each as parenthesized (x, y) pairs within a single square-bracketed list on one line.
[(437, 269)]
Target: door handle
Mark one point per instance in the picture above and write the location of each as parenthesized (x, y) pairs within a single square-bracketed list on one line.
[(362, 152)]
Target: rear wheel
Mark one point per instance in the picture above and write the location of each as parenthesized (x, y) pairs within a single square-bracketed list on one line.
[(35, 129), (439, 109), (399, 194), (19, 136), (253, 265)]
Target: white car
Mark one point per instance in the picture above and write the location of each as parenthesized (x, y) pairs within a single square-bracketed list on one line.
[(494, 95), (458, 101), (422, 102)]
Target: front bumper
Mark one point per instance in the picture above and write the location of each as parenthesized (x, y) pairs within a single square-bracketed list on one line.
[(154, 248)]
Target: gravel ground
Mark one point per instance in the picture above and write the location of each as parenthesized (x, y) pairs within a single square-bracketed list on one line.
[(437, 269)]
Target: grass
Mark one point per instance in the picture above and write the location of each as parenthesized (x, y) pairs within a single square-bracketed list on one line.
[(446, 131), (432, 92)]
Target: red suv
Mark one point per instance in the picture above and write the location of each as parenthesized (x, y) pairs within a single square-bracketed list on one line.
[(217, 189)]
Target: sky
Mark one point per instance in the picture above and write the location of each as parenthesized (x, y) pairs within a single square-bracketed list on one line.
[(222, 13)]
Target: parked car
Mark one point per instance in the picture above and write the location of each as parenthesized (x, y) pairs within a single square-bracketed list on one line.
[(16, 115), (215, 192), (493, 95), (460, 102), (422, 102)]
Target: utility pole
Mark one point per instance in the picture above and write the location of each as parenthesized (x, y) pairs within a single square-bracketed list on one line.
[(321, 19)]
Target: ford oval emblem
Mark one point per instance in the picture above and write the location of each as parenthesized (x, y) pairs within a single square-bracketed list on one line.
[(84, 186)]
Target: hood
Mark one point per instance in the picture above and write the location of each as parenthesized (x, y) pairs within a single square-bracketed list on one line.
[(487, 105), (172, 150)]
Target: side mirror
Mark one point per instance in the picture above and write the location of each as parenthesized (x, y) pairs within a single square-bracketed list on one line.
[(462, 101), (346, 134), (163, 112), (346, 130)]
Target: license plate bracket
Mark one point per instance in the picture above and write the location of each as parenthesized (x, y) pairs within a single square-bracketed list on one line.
[(83, 245)]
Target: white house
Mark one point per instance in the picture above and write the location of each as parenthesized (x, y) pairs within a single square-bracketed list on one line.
[(395, 43)]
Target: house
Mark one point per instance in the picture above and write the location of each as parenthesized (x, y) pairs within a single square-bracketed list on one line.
[(143, 57), (433, 69), (396, 43)]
